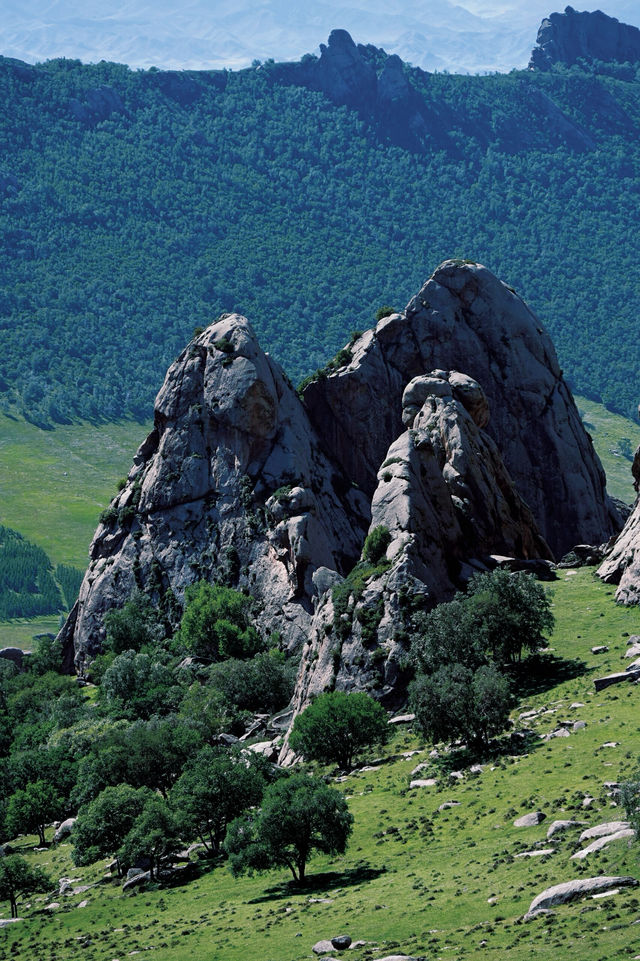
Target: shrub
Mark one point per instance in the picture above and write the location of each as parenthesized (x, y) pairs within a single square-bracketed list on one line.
[(337, 726)]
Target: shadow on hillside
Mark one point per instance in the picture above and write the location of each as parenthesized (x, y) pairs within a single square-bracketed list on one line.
[(320, 883), (541, 672)]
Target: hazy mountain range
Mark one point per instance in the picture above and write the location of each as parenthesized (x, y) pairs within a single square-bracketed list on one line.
[(470, 37)]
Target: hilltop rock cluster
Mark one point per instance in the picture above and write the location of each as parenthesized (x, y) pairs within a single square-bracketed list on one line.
[(571, 36), (449, 427)]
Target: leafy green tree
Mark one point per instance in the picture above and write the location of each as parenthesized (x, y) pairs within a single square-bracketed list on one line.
[(456, 702), (299, 814), (448, 634), (144, 754), (18, 877), (216, 623), (139, 685), (513, 612), (103, 824), (337, 726), (135, 625), (32, 808), (214, 788), (264, 683), (153, 836)]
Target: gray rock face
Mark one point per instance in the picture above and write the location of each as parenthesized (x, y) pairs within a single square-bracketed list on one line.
[(465, 319), (572, 35), (229, 433), (445, 497), (570, 890)]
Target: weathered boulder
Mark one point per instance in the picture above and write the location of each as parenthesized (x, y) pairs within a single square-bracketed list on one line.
[(604, 830), (603, 842), (530, 820), (573, 35), (570, 890), (64, 830), (465, 319), (559, 827)]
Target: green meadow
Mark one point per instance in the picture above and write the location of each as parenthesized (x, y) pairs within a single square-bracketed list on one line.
[(417, 878)]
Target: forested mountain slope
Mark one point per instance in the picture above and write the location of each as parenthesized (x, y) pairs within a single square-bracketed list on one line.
[(136, 205)]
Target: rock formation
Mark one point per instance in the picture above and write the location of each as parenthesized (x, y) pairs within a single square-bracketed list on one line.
[(230, 485), (572, 35), (465, 319), (448, 504), (240, 482)]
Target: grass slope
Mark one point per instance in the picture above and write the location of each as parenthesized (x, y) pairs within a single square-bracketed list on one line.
[(416, 879), (53, 484), (607, 430)]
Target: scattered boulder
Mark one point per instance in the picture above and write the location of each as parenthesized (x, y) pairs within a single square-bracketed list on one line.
[(530, 820), (578, 725), (136, 880), (402, 719), (599, 649), (559, 827), (538, 853), (602, 830), (600, 683), (603, 842), (64, 830), (323, 947), (570, 890), (341, 942), (426, 782), (13, 654)]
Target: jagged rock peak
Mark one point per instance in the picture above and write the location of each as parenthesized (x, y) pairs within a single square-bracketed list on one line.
[(573, 35), (464, 318), (448, 504), (231, 486)]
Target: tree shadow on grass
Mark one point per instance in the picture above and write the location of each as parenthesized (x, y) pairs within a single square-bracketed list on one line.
[(541, 672), (321, 883)]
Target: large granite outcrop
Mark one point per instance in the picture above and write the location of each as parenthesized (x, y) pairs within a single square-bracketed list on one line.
[(621, 566), (571, 36), (240, 482), (230, 485), (448, 503), (464, 318)]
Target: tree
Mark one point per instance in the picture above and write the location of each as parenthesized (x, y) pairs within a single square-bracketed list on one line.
[(449, 634), (32, 808), (153, 837), (139, 685), (456, 702), (135, 625), (513, 612), (216, 623), (212, 791), (299, 814), (336, 726), (18, 877), (103, 824)]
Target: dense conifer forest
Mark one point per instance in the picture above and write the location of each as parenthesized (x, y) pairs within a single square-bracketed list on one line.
[(137, 205)]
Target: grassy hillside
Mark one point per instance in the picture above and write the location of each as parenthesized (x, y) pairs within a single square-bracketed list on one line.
[(417, 878), (53, 484), (609, 432)]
